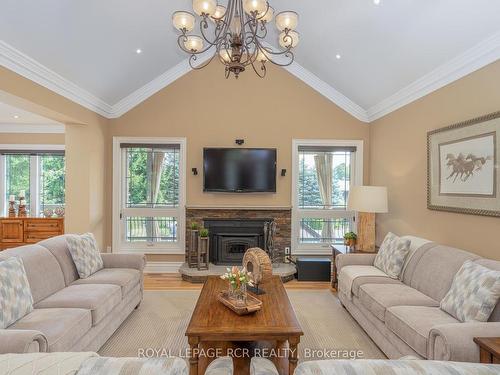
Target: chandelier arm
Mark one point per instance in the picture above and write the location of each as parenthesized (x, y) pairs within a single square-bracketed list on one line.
[(194, 57), (218, 34), (262, 68)]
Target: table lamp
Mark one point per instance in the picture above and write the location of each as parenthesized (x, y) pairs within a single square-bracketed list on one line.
[(367, 201)]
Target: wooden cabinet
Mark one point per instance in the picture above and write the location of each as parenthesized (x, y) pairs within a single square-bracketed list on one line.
[(27, 230)]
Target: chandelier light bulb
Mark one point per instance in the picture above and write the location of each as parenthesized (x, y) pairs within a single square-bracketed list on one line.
[(255, 6), (193, 43), (225, 55), (207, 7), (183, 21), (268, 16), (287, 20), (220, 11), (291, 39)]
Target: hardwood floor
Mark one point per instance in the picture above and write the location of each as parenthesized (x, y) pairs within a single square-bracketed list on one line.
[(173, 281)]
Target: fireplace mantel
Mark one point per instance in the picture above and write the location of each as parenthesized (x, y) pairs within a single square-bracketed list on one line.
[(253, 208)]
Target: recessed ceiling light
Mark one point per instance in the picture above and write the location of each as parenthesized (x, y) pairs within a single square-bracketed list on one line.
[(376, 2), (337, 56), (16, 116), (138, 51)]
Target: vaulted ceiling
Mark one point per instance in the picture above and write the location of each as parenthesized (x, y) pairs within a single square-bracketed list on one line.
[(390, 54)]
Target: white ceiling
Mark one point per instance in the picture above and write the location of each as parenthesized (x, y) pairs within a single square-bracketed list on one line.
[(13, 115), (391, 53), (15, 120)]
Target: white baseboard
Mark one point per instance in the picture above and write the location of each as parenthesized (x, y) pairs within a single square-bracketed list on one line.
[(162, 267)]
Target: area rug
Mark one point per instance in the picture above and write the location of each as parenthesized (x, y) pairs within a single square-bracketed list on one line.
[(161, 321)]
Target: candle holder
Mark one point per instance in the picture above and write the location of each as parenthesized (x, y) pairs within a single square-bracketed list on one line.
[(21, 211), (12, 209)]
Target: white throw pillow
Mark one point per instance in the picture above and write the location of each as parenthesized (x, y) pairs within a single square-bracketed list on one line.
[(392, 254), (16, 299), (473, 294), (85, 253)]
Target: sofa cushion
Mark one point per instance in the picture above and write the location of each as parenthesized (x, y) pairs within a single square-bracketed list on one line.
[(473, 294), (434, 272), (412, 324), (58, 246), (100, 299), (42, 269), (359, 281), (392, 254), (85, 254), (125, 278), (15, 295), (62, 327), (377, 298), (493, 265)]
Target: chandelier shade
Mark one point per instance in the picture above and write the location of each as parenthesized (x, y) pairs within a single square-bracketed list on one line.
[(193, 43), (183, 20), (202, 7), (236, 34), (287, 20)]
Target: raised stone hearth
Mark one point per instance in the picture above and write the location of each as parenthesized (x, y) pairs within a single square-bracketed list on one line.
[(234, 230), (285, 270)]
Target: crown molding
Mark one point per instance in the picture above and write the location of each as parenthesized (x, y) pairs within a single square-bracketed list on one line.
[(27, 67), (32, 128), (477, 57), (484, 53), (327, 91)]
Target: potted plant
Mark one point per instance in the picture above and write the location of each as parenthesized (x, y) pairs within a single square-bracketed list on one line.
[(350, 239), (193, 245)]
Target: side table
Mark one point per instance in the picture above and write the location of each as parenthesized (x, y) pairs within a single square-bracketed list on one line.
[(343, 249), (489, 349)]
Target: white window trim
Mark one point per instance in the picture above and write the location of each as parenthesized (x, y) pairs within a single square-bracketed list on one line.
[(301, 249), (118, 245), (34, 174)]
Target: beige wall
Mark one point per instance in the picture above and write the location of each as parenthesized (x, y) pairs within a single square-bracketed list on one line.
[(211, 111), (31, 138), (85, 155), (398, 160)]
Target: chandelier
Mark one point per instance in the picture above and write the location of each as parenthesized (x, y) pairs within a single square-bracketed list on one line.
[(236, 35)]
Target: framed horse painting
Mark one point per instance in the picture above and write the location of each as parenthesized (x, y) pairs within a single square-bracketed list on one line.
[(463, 167)]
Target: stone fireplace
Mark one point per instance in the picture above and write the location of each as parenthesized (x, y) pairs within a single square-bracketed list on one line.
[(232, 231)]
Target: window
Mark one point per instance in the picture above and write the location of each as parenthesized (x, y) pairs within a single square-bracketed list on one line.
[(39, 173), (149, 214), (323, 174)]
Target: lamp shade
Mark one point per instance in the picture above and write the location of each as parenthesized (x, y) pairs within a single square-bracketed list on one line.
[(207, 7), (368, 199)]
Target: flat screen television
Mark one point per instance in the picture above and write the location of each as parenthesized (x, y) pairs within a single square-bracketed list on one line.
[(239, 170)]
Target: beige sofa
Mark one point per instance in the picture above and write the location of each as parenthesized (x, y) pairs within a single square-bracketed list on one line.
[(403, 316), (72, 314)]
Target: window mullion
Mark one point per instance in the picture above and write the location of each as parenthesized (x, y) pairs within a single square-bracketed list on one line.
[(3, 187), (34, 186)]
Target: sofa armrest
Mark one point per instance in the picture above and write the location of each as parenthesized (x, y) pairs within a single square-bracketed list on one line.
[(134, 261), (455, 341), (22, 341), (343, 260)]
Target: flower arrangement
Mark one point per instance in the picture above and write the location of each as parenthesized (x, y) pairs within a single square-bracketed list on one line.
[(237, 277)]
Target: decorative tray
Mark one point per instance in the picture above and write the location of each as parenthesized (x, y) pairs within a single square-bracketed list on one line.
[(253, 304)]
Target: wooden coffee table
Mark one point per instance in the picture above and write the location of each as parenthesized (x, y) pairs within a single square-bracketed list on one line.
[(214, 326)]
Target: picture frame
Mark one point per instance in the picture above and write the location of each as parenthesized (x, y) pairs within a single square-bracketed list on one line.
[(463, 168)]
